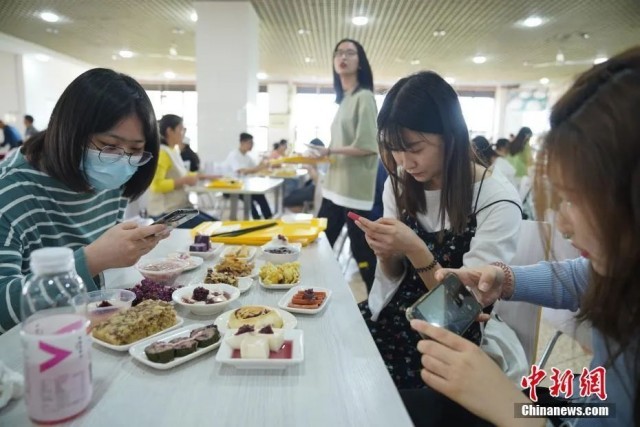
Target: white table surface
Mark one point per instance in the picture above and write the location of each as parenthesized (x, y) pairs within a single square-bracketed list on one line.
[(341, 382)]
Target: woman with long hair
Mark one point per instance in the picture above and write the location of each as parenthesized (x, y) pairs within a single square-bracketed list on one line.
[(440, 210), (350, 182), (520, 152), (591, 159)]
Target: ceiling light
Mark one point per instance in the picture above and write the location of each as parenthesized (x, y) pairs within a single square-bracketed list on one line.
[(261, 75), (178, 31), (533, 21), (303, 32), (49, 17), (600, 60), (169, 75), (479, 59), (415, 62), (125, 53), (42, 57), (114, 57), (308, 59), (173, 51), (359, 20), (560, 57), (450, 80), (544, 81), (439, 33), (194, 17), (52, 30)]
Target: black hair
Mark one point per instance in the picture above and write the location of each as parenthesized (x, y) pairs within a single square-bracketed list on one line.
[(93, 103), (425, 102), (244, 136), (483, 151), (364, 76), (28, 118), (501, 143), (520, 141), (276, 145), (168, 121), (317, 142)]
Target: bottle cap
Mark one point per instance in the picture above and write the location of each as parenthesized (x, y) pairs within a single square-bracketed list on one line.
[(52, 260)]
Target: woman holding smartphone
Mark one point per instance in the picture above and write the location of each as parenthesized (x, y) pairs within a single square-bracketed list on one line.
[(350, 180), (592, 155), (441, 209), (69, 185)]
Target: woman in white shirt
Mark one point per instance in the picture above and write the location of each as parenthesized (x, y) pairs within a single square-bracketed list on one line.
[(488, 156), (440, 209)]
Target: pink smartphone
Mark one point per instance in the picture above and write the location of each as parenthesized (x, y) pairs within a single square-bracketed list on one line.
[(354, 216)]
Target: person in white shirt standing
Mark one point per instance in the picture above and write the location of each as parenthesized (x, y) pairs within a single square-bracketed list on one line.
[(241, 163)]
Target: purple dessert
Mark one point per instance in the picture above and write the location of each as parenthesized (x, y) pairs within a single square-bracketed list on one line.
[(203, 239), (198, 247)]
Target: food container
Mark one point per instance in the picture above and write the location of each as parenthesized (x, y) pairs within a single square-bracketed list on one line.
[(277, 253), (206, 309), (105, 303), (163, 271)]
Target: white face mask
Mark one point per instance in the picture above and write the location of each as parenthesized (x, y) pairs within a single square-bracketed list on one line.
[(103, 175)]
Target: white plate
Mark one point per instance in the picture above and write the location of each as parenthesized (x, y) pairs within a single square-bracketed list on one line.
[(296, 248), (289, 320), (245, 283), (137, 351), (216, 248), (252, 252), (225, 354), (284, 286), (194, 261), (286, 298), (126, 347)]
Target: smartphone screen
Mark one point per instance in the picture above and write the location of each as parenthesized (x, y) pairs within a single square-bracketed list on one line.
[(177, 217), (449, 305)]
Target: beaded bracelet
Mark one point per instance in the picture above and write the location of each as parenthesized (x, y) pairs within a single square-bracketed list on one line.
[(429, 267), (508, 282)]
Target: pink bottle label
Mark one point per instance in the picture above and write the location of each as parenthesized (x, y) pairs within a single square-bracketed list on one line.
[(57, 366)]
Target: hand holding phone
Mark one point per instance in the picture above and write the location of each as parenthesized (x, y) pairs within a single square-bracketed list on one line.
[(449, 305), (177, 217)]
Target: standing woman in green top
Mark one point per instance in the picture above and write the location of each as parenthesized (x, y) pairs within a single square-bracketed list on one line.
[(350, 181), (520, 152)]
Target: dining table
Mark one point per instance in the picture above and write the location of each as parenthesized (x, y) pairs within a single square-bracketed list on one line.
[(341, 381)]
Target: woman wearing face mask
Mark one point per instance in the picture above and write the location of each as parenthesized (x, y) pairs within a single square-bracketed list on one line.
[(69, 185), (440, 210), (591, 158), (350, 181), (167, 193)]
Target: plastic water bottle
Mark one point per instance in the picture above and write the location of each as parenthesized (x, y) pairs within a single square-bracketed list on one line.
[(55, 341)]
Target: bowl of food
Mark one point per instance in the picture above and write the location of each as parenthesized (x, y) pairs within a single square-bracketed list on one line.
[(280, 254), (162, 271), (104, 303), (206, 299)]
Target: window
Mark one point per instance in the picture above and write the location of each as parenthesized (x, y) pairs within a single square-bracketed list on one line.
[(180, 103), (478, 114), (311, 116)]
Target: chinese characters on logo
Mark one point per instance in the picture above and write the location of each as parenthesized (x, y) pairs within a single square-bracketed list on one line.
[(592, 382)]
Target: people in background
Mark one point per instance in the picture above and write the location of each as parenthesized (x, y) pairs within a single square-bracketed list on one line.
[(350, 181), (591, 160), (279, 149), (167, 192), (241, 163), (69, 185), (301, 198), (29, 129), (12, 137), (188, 155), (488, 156), (440, 210), (520, 152), (501, 147)]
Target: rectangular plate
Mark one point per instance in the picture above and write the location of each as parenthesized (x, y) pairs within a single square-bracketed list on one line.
[(225, 353), (137, 351), (286, 298), (126, 347)]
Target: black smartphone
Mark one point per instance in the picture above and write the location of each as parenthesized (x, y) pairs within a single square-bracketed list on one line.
[(177, 217), (449, 305)]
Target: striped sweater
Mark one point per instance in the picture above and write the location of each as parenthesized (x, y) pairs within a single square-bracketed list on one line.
[(38, 211)]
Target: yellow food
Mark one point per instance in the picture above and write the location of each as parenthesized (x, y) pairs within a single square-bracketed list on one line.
[(235, 267), (283, 274), (255, 315), (239, 252)]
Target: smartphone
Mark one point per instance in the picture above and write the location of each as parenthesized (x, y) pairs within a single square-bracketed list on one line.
[(177, 217), (354, 216), (449, 305)]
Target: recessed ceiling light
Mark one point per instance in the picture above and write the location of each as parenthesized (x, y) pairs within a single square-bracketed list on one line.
[(52, 30), (169, 75), (450, 80), (560, 57), (178, 31), (544, 81), (125, 53), (194, 17), (533, 21), (479, 59), (49, 17), (308, 59), (261, 75), (359, 20), (114, 57), (415, 62), (439, 33), (42, 57), (303, 32), (173, 51), (600, 60)]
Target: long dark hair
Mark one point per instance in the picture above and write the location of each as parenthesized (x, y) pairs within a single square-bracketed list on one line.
[(424, 102), (168, 121), (483, 151), (365, 75), (594, 147), (520, 141)]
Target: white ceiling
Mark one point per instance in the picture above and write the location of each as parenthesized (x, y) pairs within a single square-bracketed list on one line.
[(399, 38)]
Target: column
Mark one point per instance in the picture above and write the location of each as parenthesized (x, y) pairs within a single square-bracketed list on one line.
[(226, 67)]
